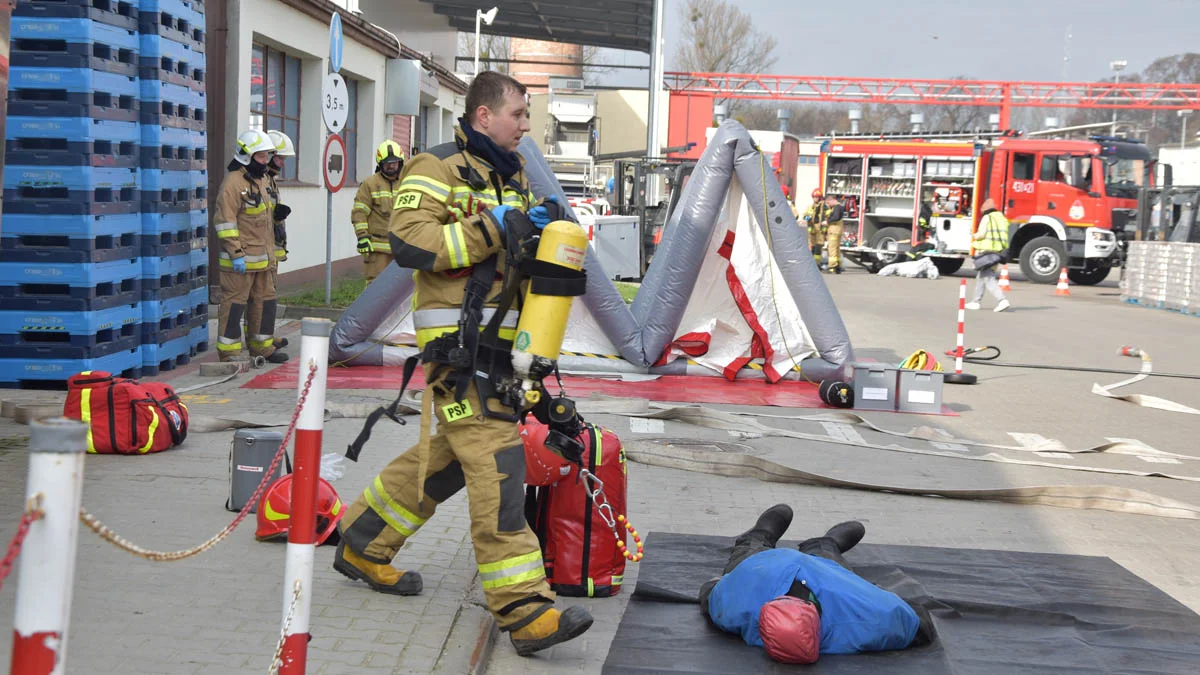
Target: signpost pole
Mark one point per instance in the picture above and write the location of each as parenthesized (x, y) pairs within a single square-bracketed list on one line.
[(328, 246), (335, 65)]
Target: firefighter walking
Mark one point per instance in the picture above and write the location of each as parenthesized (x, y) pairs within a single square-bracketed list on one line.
[(243, 223), (456, 207), (372, 211)]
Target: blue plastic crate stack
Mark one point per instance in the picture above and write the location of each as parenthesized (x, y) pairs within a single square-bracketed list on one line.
[(104, 251)]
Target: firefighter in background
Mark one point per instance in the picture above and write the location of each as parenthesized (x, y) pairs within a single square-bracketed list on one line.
[(284, 148), (457, 206), (372, 211), (831, 227), (243, 223), (812, 217)]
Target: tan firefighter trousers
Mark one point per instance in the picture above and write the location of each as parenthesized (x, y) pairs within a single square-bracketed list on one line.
[(833, 244), (374, 264), (487, 456), (250, 296)]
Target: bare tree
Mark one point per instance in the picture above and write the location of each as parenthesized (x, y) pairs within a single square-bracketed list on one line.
[(720, 38), (490, 47)]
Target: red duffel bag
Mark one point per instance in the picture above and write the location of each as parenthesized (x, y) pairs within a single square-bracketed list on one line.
[(578, 547), (125, 416)]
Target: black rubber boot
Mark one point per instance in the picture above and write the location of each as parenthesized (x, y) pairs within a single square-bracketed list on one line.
[(277, 357), (846, 535), (772, 523), (281, 343)]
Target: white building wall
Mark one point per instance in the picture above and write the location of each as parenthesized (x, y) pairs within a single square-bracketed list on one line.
[(298, 35)]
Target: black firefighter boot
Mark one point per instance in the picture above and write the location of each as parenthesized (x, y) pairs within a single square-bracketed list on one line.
[(771, 524), (839, 539)]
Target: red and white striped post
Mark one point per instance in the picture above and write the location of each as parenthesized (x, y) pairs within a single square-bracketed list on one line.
[(57, 448), (302, 529), (958, 377)]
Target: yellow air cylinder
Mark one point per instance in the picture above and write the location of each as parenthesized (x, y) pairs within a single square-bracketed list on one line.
[(543, 320)]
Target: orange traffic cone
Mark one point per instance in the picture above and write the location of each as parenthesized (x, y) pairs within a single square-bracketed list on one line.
[(1062, 288), (1004, 284)]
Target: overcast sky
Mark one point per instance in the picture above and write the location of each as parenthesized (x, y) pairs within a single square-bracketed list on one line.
[(1008, 40)]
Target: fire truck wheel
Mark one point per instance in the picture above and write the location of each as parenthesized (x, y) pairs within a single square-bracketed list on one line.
[(1042, 260), (948, 266), (890, 239), (1089, 276)]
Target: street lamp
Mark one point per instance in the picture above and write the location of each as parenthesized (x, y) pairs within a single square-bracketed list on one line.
[(1117, 67), (488, 17), (1183, 117)]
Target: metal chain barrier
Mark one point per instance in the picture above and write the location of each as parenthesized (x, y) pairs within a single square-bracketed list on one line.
[(33, 512), (277, 660), (596, 493), (120, 542)]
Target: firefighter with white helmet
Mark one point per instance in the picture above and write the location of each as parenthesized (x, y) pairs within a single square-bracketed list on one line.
[(372, 210), (242, 222), (284, 148)]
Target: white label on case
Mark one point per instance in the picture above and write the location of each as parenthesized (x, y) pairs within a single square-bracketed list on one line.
[(875, 394), (921, 397)]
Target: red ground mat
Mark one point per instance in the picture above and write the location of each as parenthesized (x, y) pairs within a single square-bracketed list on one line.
[(679, 388)]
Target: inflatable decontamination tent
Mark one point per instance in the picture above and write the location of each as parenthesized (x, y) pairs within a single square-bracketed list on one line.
[(733, 290)]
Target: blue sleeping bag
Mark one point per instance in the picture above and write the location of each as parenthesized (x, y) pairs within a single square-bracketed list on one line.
[(856, 615)]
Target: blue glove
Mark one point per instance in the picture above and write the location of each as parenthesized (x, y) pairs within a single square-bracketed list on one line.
[(239, 265), (498, 215), (539, 216)]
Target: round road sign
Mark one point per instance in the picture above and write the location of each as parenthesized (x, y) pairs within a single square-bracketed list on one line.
[(334, 102), (333, 163)]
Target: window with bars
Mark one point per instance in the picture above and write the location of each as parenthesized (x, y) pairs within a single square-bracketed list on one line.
[(275, 98)]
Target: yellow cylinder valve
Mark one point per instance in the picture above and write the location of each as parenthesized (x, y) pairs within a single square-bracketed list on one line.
[(543, 322)]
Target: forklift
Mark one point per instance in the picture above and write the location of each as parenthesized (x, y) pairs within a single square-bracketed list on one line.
[(633, 191)]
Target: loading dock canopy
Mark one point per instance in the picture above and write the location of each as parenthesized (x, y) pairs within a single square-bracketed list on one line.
[(617, 24)]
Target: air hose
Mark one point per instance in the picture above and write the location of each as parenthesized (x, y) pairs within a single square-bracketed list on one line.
[(922, 360), (990, 360)]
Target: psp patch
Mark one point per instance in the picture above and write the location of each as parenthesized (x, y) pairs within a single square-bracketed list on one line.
[(407, 200), (459, 410)]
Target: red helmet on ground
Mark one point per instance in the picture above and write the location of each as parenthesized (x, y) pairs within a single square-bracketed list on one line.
[(791, 630), (275, 510), (543, 466), (816, 194)]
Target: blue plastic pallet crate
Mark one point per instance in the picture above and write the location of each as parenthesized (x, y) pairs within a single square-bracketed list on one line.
[(153, 180), (72, 328), (166, 357), (71, 226), (158, 223), (120, 14), (53, 248), (78, 129), (59, 53), (200, 339), (167, 70), (198, 299), (97, 105), (64, 201), (157, 46), (154, 268), (87, 274), (72, 30), (174, 287), (167, 314), (182, 24), (151, 248), (73, 80), (70, 177), (43, 296), (63, 345), (64, 152), (53, 373)]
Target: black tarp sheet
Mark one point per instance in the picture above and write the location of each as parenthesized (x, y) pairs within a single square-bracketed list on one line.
[(995, 612)]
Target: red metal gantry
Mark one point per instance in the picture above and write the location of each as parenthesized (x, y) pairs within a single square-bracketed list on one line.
[(1002, 94)]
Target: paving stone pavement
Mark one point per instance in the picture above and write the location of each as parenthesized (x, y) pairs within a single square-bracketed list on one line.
[(220, 613)]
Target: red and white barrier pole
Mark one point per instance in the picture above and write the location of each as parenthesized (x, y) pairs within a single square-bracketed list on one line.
[(57, 448), (302, 530), (958, 377)]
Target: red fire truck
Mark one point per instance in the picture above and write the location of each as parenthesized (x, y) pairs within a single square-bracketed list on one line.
[(1068, 200)]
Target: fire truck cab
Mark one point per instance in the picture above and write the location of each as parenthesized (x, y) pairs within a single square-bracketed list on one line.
[(1068, 201)]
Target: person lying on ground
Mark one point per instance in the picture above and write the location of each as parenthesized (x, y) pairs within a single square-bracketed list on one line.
[(799, 604)]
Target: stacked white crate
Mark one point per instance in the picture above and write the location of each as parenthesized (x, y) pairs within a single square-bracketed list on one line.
[(1163, 275)]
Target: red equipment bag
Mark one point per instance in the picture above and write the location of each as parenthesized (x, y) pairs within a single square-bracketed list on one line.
[(125, 416), (578, 547)]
